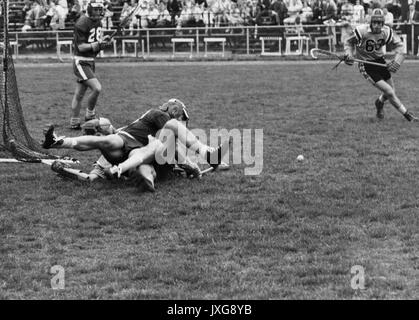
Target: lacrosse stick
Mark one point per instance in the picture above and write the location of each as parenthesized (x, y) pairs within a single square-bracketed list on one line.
[(315, 53), (125, 21)]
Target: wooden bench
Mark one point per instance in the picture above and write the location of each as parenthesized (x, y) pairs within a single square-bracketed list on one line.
[(182, 40), (271, 38), (221, 40)]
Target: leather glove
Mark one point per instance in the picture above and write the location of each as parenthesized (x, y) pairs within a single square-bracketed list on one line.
[(348, 59), (393, 66)]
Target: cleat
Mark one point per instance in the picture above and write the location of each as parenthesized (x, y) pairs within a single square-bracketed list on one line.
[(51, 138), (214, 156), (410, 117), (149, 185), (380, 109), (76, 126), (191, 170)]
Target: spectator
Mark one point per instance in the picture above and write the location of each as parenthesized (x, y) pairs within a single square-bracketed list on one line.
[(198, 14), (175, 8), (219, 8), (125, 11), (33, 17), (294, 8), (359, 13), (108, 14), (395, 8), (164, 19), (142, 14), (368, 16), (186, 18), (346, 11), (153, 15), (306, 12), (331, 11), (234, 18), (281, 9), (319, 8), (388, 18)]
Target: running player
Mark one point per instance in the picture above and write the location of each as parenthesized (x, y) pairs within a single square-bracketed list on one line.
[(366, 42), (87, 42)]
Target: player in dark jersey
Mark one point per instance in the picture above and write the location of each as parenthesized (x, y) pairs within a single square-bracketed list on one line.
[(87, 42), (134, 144)]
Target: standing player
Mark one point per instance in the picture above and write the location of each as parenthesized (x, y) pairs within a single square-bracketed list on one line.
[(87, 43), (366, 42)]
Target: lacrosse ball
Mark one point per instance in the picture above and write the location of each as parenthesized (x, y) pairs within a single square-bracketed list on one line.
[(300, 158)]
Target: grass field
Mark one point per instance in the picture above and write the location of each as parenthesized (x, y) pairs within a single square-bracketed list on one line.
[(293, 232)]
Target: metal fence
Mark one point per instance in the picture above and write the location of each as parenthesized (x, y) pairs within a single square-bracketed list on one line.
[(198, 42)]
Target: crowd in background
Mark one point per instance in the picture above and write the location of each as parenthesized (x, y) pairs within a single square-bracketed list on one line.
[(54, 14)]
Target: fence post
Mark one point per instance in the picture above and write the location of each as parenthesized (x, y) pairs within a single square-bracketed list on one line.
[(197, 41), (247, 41)]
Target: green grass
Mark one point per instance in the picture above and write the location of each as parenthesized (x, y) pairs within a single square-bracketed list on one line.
[(293, 232)]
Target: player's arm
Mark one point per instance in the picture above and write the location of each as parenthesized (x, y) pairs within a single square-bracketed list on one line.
[(394, 65), (84, 45)]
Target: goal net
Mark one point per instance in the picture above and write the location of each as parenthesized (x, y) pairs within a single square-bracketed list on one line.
[(16, 140)]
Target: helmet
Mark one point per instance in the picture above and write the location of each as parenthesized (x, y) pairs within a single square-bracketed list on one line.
[(95, 9), (175, 108), (101, 125), (377, 16)]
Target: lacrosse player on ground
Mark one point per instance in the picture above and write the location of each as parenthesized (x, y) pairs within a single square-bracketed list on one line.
[(88, 41), (131, 146), (366, 42)]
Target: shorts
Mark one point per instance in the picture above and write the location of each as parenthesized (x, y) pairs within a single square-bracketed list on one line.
[(84, 68), (130, 143), (374, 73)]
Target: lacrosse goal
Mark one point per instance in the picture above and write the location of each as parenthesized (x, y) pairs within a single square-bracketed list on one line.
[(16, 140)]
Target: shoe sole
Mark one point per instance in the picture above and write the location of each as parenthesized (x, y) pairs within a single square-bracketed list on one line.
[(47, 132), (222, 149)]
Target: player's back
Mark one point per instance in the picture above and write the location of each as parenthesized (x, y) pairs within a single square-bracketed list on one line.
[(148, 124)]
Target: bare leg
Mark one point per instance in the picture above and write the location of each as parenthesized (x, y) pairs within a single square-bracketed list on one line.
[(86, 143), (387, 88), (95, 88), (76, 104)]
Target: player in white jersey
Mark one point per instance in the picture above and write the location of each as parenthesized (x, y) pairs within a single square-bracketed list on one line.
[(366, 43)]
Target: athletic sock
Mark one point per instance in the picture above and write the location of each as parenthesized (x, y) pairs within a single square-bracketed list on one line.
[(402, 109), (90, 114), (68, 143), (74, 121)]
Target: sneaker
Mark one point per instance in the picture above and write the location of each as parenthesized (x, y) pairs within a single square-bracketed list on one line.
[(191, 170), (75, 126), (214, 156), (51, 138), (410, 117), (380, 109)]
